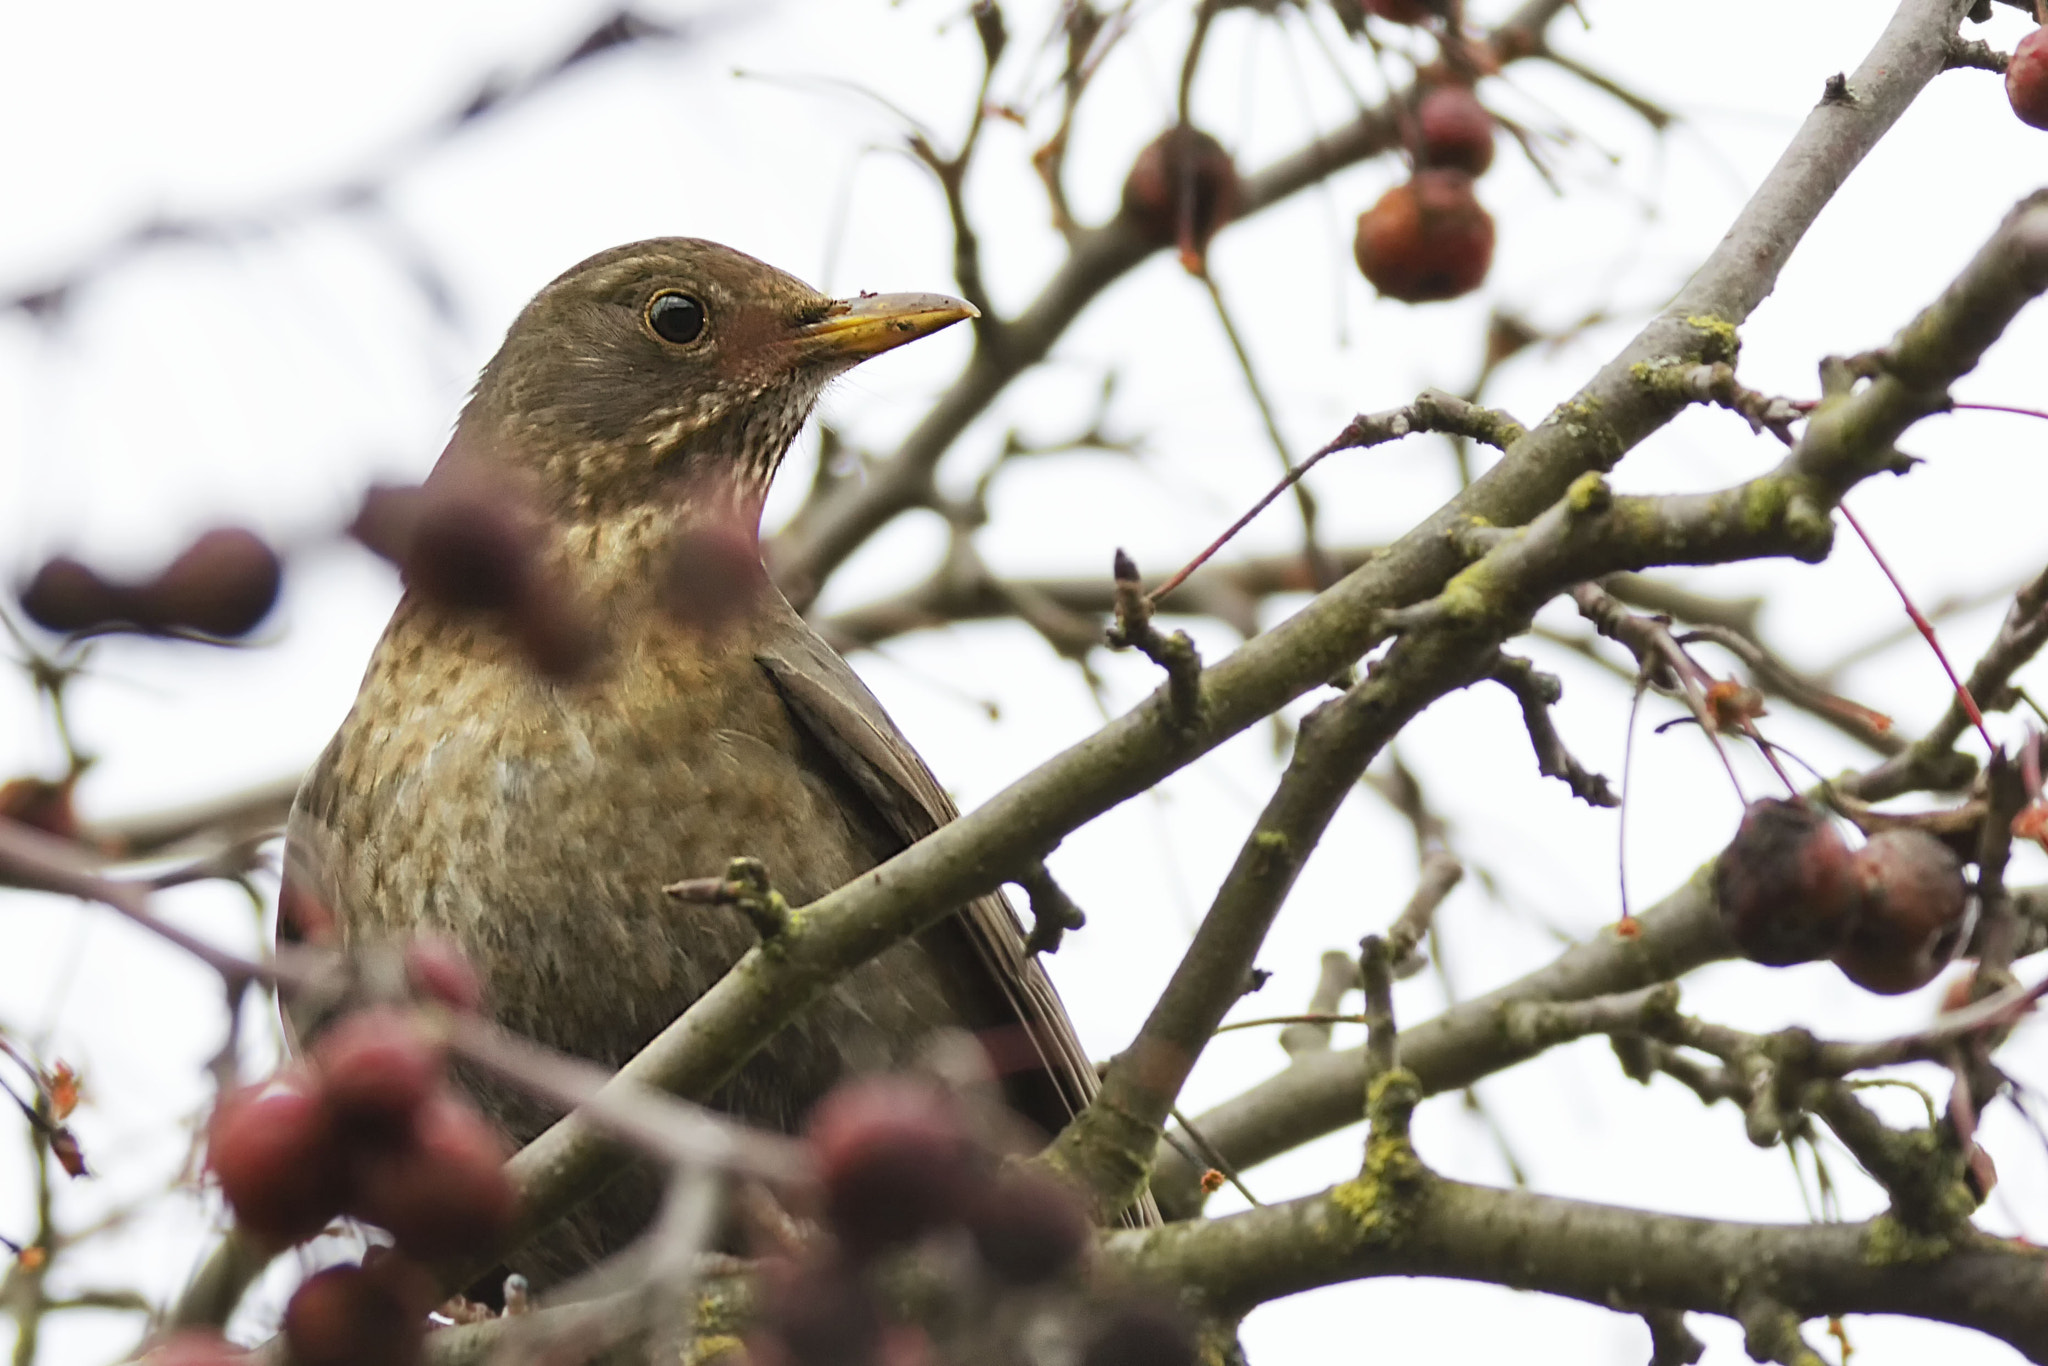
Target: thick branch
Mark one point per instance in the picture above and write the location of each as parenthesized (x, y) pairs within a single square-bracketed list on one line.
[(1595, 1253)]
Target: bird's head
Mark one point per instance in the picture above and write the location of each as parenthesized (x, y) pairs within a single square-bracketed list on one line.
[(673, 368)]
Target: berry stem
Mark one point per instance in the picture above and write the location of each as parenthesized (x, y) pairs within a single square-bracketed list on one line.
[(1999, 408), (1926, 627)]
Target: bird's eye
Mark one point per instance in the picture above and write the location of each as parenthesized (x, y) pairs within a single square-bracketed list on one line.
[(676, 317)]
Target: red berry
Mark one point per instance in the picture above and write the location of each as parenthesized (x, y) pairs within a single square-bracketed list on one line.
[(463, 543), (1456, 130), (2026, 79), (894, 1158), (713, 577), (377, 1069), (1786, 885), (1029, 1228), (554, 629), (1141, 1334), (66, 596), (437, 968), (1181, 190), (1911, 918), (279, 1161), (445, 1191), (816, 1314), (195, 1347), (223, 585), (1427, 240), (349, 1316)]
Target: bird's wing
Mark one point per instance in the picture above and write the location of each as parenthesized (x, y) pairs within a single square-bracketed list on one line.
[(836, 709)]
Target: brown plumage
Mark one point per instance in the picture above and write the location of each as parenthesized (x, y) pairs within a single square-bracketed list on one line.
[(536, 821)]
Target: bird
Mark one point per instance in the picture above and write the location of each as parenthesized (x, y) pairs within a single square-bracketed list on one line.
[(638, 409)]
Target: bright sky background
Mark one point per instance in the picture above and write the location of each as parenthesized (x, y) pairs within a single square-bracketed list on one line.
[(266, 378)]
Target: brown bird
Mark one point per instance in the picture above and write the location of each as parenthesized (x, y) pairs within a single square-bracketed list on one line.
[(640, 405)]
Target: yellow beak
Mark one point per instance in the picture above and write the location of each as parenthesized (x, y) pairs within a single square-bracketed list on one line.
[(855, 329)]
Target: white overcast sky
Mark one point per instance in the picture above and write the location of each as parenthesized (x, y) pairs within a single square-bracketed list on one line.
[(265, 379)]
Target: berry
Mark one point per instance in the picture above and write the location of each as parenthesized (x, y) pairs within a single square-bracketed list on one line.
[(438, 969), (445, 1191), (1456, 130), (377, 1069), (454, 541), (223, 584), (553, 629), (1181, 190), (468, 546), (1141, 1334), (1786, 885), (279, 1161), (66, 596), (816, 1314), (713, 577), (894, 1159), (2026, 79), (352, 1316), (1911, 919), (1028, 1228), (1427, 240)]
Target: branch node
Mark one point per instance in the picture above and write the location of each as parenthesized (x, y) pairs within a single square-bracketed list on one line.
[(1338, 977), (1053, 912), (1538, 693), (1770, 1331), (1175, 653), (746, 888), (1671, 1342), (1376, 972)]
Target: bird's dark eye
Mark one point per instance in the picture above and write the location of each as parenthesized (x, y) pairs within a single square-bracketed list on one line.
[(676, 317)]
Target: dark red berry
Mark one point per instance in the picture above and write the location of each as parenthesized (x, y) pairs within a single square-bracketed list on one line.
[(817, 1314), (1456, 131), (1786, 885), (1028, 1228), (437, 968), (713, 577), (279, 1160), (455, 541), (1181, 190), (443, 1192), (2026, 79), (66, 596), (554, 629), (1141, 1334), (223, 584), (377, 1069), (1911, 918), (349, 1316), (894, 1159), (465, 544), (1427, 240)]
